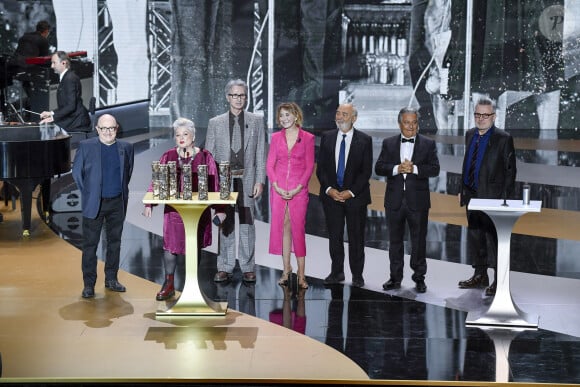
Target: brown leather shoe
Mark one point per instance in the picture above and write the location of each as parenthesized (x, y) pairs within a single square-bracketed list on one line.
[(477, 281), (490, 290), (249, 276), (221, 276)]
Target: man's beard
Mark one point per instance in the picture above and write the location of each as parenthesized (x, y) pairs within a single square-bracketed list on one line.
[(343, 126)]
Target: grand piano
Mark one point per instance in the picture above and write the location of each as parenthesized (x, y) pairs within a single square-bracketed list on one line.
[(31, 155)]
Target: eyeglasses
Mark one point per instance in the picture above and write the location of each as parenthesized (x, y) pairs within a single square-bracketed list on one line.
[(109, 129), (485, 116), (237, 96)]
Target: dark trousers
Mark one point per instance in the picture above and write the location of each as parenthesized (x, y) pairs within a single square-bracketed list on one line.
[(245, 214), (112, 216), (481, 237), (417, 222), (481, 241), (336, 214)]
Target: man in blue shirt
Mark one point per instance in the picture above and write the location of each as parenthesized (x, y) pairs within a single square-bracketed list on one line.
[(102, 168), (489, 172)]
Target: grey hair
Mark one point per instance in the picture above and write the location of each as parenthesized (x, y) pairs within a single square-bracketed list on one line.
[(185, 124), (235, 82), (407, 110), (354, 111), (485, 101)]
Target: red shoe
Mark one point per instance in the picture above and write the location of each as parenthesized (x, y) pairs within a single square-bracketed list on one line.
[(167, 290)]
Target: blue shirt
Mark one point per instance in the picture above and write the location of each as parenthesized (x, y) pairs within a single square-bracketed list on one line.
[(111, 165), (483, 141)]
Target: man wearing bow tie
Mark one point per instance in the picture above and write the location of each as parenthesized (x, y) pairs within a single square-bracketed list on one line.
[(408, 161)]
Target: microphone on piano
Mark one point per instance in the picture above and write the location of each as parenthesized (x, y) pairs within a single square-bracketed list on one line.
[(16, 111), (30, 111)]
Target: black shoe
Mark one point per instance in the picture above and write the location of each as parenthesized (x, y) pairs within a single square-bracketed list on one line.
[(390, 285), (477, 281), (358, 283), (334, 279), (115, 286), (88, 292), (490, 290), (420, 286)]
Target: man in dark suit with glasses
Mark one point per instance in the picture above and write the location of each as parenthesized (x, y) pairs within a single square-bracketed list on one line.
[(489, 172)]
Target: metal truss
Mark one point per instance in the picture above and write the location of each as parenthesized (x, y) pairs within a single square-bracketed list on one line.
[(159, 40), (107, 72), (159, 25)]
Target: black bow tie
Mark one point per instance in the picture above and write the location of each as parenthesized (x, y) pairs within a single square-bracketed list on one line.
[(411, 140)]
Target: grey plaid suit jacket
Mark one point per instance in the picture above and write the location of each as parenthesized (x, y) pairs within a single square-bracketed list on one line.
[(218, 143)]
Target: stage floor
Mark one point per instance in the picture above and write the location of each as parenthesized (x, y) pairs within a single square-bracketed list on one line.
[(49, 333)]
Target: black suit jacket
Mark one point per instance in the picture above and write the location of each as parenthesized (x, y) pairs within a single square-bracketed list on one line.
[(87, 172), (416, 187), (359, 167), (31, 44), (497, 174), (71, 114)]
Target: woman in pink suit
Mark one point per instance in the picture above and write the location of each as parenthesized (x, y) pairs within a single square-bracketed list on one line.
[(185, 152), (289, 166)]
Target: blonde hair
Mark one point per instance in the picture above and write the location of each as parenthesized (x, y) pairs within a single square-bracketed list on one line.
[(293, 108)]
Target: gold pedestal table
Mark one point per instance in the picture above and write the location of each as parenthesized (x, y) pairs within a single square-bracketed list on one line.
[(192, 301)]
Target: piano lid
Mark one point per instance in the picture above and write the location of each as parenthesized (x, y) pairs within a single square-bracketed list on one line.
[(31, 151), (42, 60), (31, 133)]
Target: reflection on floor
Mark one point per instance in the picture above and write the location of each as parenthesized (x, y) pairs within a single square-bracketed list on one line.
[(397, 335)]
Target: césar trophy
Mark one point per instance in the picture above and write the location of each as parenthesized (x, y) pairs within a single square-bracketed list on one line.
[(155, 177), (225, 180), (163, 182), (202, 182), (186, 182), (172, 175)]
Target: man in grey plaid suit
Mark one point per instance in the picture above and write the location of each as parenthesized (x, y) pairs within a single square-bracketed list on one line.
[(238, 137)]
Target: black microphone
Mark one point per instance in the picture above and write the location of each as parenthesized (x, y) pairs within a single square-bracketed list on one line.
[(504, 196)]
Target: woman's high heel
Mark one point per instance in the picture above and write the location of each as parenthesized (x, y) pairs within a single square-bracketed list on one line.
[(283, 281), (302, 284)]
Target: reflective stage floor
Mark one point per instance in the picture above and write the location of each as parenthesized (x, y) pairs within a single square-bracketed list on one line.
[(335, 335)]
